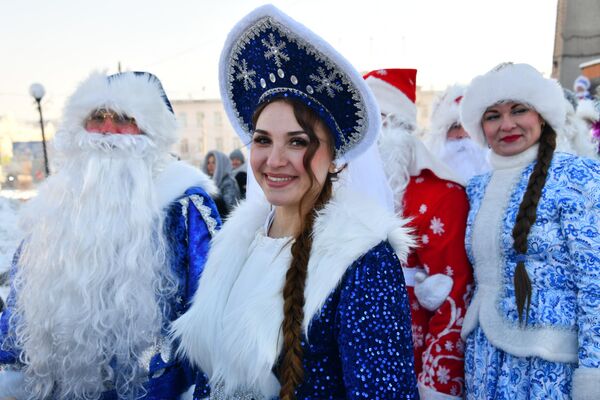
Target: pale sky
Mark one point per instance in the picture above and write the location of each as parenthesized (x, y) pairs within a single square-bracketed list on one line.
[(60, 42)]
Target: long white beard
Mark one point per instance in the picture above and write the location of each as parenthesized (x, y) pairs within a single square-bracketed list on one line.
[(92, 280), (465, 158), (397, 146)]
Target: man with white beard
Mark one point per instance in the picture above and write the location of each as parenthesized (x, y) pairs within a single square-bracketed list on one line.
[(448, 141), (438, 273), (114, 246)]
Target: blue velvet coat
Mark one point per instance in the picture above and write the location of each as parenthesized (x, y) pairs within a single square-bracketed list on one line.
[(190, 223)]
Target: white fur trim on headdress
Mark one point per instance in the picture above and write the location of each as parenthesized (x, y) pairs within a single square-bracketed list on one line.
[(138, 96), (512, 82), (445, 112), (392, 101), (370, 119)]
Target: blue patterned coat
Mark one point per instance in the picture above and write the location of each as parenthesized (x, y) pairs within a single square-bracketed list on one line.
[(190, 222), (563, 263)]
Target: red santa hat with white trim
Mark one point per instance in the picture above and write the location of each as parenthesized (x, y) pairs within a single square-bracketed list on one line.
[(395, 90)]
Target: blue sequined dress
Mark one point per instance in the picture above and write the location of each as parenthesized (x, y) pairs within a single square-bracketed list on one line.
[(357, 340)]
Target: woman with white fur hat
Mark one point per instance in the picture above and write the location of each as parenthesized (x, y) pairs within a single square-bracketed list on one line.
[(533, 237)]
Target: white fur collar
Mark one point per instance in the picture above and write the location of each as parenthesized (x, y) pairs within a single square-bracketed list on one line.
[(176, 178), (517, 161), (344, 230)]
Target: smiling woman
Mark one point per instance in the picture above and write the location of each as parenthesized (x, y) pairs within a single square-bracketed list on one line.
[(532, 328), (284, 308)]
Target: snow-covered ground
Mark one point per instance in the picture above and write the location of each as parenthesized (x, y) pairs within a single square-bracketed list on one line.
[(10, 202)]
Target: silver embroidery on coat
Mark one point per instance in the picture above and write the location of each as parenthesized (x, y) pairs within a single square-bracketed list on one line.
[(204, 210)]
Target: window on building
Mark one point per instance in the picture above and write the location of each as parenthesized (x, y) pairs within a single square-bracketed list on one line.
[(182, 118), (201, 145), (219, 143), (184, 147), (218, 118), (199, 119)]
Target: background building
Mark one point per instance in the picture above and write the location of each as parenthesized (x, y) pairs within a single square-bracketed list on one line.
[(424, 103), (576, 38), (204, 126)]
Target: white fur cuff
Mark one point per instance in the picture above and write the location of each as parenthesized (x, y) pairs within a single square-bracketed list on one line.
[(586, 384), (426, 393), (432, 291), (11, 384)]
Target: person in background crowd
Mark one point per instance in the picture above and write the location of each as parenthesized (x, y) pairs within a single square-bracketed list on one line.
[(115, 242), (589, 111), (581, 87), (438, 274), (304, 296), (448, 140), (239, 170), (576, 137), (218, 167), (533, 237)]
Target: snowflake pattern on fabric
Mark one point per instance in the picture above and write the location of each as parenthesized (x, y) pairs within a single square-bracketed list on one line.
[(563, 263), (437, 226), (326, 81), (436, 335), (275, 50), (245, 75)]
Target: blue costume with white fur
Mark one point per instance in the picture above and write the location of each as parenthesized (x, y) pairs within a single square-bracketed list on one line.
[(189, 219), (559, 351), (356, 338)]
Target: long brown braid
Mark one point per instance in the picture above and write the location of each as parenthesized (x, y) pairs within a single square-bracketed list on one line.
[(526, 218), (291, 372)]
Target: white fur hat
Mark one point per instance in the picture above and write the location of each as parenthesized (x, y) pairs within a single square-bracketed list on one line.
[(137, 94), (444, 113), (512, 82)]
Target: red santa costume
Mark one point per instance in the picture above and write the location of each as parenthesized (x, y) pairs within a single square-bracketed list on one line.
[(438, 275)]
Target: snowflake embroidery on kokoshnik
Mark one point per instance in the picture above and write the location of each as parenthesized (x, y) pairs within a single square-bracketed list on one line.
[(275, 50), (423, 209), (246, 75), (326, 82), (449, 271), (425, 239), (437, 226)]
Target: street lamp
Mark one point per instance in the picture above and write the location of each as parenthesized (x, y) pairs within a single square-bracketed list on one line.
[(37, 91)]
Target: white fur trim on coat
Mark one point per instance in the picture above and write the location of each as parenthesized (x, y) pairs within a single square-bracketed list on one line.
[(586, 384), (586, 109), (511, 82), (176, 178), (426, 393), (392, 101), (344, 230), (12, 385), (134, 95)]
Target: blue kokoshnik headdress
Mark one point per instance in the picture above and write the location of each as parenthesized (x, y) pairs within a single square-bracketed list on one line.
[(268, 55)]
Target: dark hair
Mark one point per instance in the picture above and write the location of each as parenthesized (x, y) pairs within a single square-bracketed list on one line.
[(526, 218), (291, 371)]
